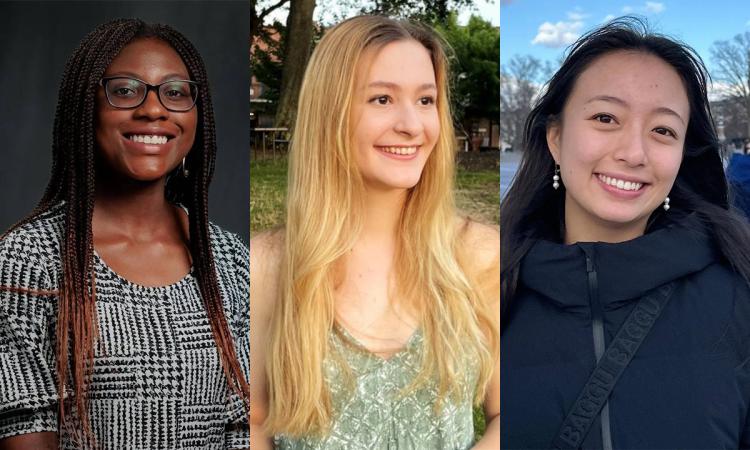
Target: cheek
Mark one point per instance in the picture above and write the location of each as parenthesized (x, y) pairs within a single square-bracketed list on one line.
[(189, 126), (368, 129), (580, 150), (432, 127), (668, 164), (105, 128)]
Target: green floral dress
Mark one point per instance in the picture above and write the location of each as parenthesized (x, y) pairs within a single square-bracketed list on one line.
[(373, 413)]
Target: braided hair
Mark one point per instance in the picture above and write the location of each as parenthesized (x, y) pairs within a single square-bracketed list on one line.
[(72, 182)]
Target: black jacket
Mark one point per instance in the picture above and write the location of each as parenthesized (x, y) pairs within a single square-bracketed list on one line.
[(688, 386)]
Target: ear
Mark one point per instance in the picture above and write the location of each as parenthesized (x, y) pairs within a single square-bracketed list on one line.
[(554, 135)]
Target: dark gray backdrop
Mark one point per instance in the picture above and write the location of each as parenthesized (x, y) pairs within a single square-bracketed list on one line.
[(36, 38)]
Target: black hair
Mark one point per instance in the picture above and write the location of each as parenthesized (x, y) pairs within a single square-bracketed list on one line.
[(72, 182), (532, 210)]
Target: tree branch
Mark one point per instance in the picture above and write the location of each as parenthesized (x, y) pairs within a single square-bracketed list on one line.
[(270, 9)]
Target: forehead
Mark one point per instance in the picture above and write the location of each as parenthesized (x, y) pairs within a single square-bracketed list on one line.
[(403, 62), (640, 79), (148, 58)]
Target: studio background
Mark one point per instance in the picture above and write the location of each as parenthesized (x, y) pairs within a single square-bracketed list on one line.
[(37, 39)]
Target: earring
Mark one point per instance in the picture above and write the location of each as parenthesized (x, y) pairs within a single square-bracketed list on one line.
[(556, 177), (666, 204), (185, 171)]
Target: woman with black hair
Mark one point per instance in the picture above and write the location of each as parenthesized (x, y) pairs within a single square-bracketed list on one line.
[(123, 311), (624, 271)]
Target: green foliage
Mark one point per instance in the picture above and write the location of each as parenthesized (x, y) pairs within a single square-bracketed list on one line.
[(475, 51), (425, 11), (266, 64)]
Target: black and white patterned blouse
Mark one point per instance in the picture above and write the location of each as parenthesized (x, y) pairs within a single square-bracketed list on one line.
[(157, 380)]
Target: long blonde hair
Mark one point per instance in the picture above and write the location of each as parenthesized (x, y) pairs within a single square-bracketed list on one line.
[(324, 203)]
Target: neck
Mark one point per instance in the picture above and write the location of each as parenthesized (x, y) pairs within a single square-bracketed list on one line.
[(134, 206), (382, 214)]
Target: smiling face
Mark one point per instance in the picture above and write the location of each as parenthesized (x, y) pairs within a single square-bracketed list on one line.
[(394, 115), (131, 142), (619, 143)]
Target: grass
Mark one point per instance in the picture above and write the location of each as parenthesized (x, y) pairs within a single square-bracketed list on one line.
[(267, 191), (477, 194)]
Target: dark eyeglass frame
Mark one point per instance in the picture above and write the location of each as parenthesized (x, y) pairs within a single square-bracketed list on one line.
[(150, 87)]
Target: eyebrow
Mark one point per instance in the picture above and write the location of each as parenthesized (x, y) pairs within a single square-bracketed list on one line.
[(168, 77), (394, 86), (619, 101)]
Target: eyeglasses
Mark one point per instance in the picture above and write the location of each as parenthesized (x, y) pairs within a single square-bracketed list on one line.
[(129, 93)]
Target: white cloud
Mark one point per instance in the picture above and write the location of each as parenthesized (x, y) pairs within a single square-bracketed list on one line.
[(627, 9), (655, 7), (748, 23), (577, 16), (718, 90), (608, 17), (558, 34)]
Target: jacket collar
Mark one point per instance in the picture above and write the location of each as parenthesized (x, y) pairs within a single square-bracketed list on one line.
[(625, 271)]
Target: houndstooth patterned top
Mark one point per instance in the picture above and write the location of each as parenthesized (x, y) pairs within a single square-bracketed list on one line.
[(157, 380)]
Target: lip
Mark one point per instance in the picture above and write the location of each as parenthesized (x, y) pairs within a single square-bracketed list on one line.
[(397, 156), (150, 131), (622, 177), (621, 193), (148, 149)]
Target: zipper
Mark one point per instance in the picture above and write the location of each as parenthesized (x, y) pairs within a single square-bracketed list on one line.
[(597, 326)]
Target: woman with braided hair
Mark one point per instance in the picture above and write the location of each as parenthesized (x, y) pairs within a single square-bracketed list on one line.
[(123, 311)]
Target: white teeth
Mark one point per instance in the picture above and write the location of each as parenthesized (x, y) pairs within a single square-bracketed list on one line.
[(149, 139), (620, 184), (400, 150)]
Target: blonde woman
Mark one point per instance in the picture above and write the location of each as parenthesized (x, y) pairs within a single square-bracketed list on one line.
[(375, 310)]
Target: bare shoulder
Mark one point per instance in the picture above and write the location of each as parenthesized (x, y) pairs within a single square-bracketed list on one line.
[(266, 251), (267, 247), (480, 241)]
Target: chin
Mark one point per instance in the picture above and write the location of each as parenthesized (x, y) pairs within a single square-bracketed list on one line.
[(621, 217), (406, 183), (148, 173)]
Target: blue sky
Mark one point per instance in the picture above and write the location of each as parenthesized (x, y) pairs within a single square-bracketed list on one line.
[(543, 28)]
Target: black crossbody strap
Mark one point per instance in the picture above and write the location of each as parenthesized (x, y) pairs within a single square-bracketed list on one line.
[(616, 358)]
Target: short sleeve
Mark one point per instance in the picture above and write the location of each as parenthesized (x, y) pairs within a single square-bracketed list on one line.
[(28, 388), (237, 434)]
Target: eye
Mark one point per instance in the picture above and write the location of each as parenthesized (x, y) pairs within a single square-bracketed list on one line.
[(174, 93), (123, 87), (604, 118), (176, 90), (123, 91), (665, 132), (427, 100), (381, 99)]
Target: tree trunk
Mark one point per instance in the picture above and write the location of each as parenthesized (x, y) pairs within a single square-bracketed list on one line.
[(299, 33)]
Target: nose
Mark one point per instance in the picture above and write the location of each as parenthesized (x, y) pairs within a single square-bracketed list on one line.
[(408, 121), (151, 108), (632, 147)]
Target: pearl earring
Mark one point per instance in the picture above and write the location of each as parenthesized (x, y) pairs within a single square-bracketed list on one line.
[(666, 204), (556, 177)]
